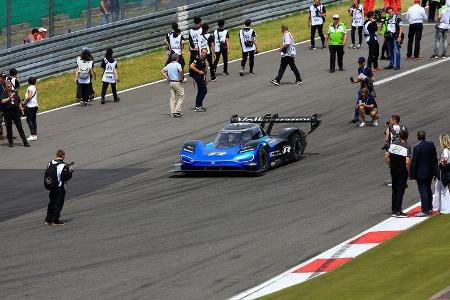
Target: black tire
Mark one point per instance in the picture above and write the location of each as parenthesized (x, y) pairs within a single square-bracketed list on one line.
[(298, 145)]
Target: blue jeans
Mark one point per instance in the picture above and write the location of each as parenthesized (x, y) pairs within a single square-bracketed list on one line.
[(104, 18), (202, 90), (393, 48), (357, 109)]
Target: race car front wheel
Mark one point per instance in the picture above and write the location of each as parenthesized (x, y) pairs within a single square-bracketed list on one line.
[(262, 159)]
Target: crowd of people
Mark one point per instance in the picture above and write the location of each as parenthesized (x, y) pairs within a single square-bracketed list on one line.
[(205, 50)]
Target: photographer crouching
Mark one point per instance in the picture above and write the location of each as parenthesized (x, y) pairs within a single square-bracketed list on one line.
[(55, 179)]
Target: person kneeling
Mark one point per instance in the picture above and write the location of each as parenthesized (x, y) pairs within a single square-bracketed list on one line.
[(367, 106)]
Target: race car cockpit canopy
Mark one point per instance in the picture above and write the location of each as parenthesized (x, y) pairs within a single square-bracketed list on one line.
[(237, 134)]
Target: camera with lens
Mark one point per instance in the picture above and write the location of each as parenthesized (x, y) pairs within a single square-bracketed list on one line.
[(379, 15)]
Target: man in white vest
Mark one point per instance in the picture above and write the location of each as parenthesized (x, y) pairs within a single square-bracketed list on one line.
[(316, 18), (247, 37), (288, 52)]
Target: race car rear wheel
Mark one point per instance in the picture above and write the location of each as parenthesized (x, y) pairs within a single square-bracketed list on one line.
[(297, 144)]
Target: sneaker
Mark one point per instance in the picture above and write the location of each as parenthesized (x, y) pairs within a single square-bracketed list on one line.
[(274, 82), (30, 138), (363, 124), (213, 79), (85, 104), (312, 48), (351, 46), (102, 101), (176, 115), (353, 121), (401, 214), (331, 71), (58, 223), (341, 69), (421, 215), (81, 103), (408, 57), (200, 109), (185, 79), (434, 56), (397, 68), (26, 144), (359, 46), (241, 72), (225, 73), (117, 100), (375, 122), (10, 144), (323, 46), (389, 67), (418, 57), (252, 73), (298, 82), (444, 55), (393, 214)]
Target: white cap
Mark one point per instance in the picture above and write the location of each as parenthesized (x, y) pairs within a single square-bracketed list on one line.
[(42, 29), (336, 16)]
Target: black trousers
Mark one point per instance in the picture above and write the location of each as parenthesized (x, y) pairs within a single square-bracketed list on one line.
[(288, 61), (251, 56), (11, 118), (426, 194), (360, 29), (193, 56), (209, 58), (113, 88), (202, 90), (414, 34), (224, 53), (319, 29), (85, 91), (384, 49), (339, 50), (180, 61), (398, 190), (30, 113), (434, 5), (374, 51), (56, 204)]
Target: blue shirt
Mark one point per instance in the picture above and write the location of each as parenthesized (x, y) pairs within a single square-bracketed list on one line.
[(368, 101), (173, 71), (363, 73)]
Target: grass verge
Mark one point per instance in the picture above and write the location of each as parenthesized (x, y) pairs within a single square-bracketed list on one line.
[(60, 90), (412, 265)]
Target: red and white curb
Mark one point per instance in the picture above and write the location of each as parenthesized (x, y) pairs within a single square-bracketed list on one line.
[(336, 256)]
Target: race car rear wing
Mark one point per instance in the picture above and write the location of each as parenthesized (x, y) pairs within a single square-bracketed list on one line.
[(272, 119)]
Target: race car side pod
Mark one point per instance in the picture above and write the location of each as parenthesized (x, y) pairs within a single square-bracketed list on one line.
[(271, 119)]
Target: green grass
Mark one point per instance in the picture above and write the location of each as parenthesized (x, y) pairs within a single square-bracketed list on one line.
[(412, 265), (144, 68)]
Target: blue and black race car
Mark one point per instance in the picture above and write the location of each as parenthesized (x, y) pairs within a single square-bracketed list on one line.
[(247, 145)]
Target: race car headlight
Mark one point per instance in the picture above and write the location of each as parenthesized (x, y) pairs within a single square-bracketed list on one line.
[(245, 149), (245, 158), (189, 148), (186, 159)]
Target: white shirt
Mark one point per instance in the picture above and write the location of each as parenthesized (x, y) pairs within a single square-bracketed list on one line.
[(357, 16), (445, 19), (289, 40), (33, 101), (445, 154), (416, 14)]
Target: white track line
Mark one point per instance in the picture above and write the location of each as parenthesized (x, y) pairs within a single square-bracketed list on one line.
[(429, 65)]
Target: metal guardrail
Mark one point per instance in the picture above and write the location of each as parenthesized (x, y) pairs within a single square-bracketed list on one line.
[(136, 35)]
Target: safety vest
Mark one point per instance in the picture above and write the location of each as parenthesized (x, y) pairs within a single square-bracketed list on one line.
[(246, 37), (108, 74), (315, 18), (194, 34), (357, 16), (336, 34), (175, 43), (203, 42), (220, 38)]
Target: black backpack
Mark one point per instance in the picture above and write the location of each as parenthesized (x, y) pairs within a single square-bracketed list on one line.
[(51, 176)]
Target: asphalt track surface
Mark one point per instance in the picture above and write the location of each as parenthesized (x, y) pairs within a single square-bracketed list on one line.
[(135, 232)]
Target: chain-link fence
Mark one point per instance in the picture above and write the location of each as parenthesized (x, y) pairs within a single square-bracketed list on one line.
[(50, 18)]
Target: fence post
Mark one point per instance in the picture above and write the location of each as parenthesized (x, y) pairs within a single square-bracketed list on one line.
[(8, 24), (89, 14), (156, 5), (122, 9), (51, 18)]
